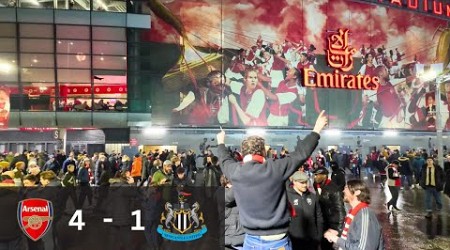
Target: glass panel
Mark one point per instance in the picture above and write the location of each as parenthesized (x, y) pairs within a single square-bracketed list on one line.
[(36, 30), (109, 5), (108, 34), (37, 60), (73, 5), (37, 75), (8, 57), (78, 17), (8, 45), (79, 60), (110, 62), (35, 4), (8, 29), (40, 96), (10, 76), (8, 67), (27, 15), (138, 7), (72, 32), (74, 76), (75, 97), (73, 47), (36, 45), (75, 103), (9, 93), (110, 103), (109, 48)]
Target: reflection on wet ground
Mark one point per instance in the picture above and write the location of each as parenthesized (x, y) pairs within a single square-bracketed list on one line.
[(408, 228)]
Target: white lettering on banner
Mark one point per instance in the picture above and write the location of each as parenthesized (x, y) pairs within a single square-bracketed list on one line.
[(35, 209)]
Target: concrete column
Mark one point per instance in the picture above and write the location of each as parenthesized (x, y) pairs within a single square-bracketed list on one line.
[(61, 135), (439, 125)]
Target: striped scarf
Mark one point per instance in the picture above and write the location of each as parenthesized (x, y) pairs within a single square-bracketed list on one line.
[(349, 218)]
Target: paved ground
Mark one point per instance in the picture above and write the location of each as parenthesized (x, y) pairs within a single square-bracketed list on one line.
[(408, 228)]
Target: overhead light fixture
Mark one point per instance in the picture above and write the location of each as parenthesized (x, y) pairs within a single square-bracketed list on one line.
[(35, 2), (256, 131), (80, 57), (390, 133), (155, 131), (333, 132), (5, 67)]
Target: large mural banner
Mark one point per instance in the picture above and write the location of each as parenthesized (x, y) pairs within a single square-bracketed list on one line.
[(4, 107), (279, 63)]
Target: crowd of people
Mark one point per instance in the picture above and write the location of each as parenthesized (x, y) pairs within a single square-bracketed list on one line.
[(90, 183), (290, 200), (100, 167), (97, 105)]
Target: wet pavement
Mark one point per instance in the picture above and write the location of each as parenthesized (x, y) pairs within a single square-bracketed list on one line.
[(409, 229)]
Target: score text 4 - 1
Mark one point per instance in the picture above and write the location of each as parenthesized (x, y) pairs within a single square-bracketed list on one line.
[(77, 220)]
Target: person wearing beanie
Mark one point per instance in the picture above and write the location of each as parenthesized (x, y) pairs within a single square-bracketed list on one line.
[(181, 179), (337, 175), (164, 176)]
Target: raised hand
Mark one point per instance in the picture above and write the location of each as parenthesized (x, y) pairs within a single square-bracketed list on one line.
[(221, 136), (321, 122)]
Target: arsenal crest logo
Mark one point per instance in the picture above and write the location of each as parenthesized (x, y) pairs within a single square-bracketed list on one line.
[(35, 217)]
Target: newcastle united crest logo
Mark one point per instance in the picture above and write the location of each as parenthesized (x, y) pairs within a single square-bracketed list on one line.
[(182, 222), (35, 217)]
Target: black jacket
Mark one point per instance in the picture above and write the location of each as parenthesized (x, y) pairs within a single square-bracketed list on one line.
[(119, 202), (234, 232), (405, 168), (260, 187), (212, 175), (447, 182), (306, 216), (438, 175), (9, 197), (331, 201), (186, 181)]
